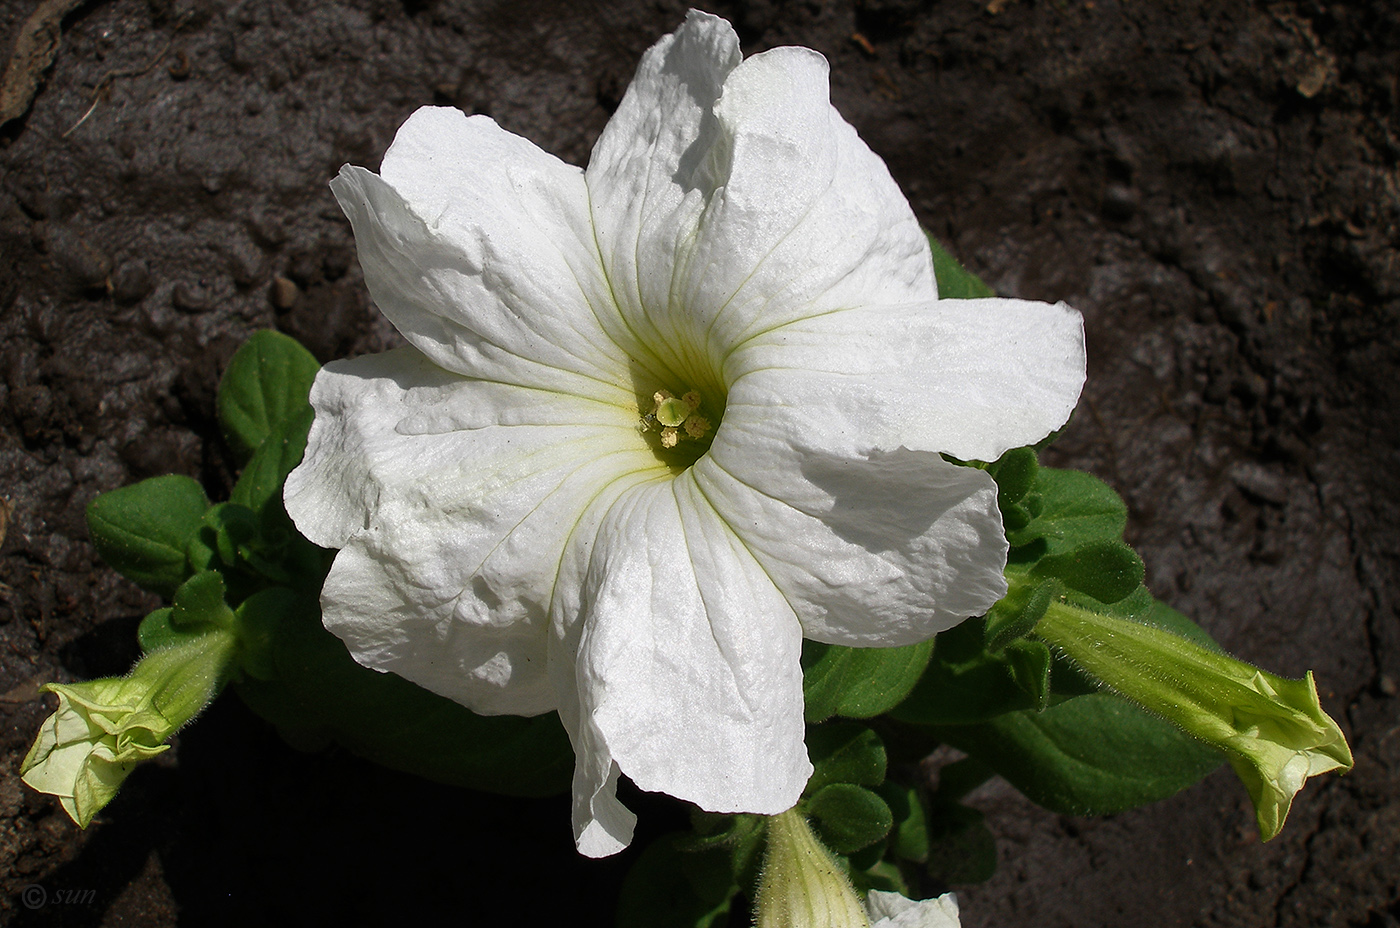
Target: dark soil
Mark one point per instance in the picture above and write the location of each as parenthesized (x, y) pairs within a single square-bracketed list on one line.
[(1213, 183)]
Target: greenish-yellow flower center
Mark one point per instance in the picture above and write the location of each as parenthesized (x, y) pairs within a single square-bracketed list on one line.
[(679, 429)]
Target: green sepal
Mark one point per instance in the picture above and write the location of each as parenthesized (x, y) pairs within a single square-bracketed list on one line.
[(142, 530), (858, 683), (849, 817), (955, 282), (267, 381), (1091, 755), (156, 632), (199, 606), (844, 752), (1030, 663), (882, 875)]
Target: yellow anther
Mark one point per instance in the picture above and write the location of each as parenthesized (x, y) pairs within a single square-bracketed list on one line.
[(669, 437), (696, 426), (692, 399)]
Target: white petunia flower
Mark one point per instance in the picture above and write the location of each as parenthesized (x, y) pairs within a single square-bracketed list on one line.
[(661, 419)]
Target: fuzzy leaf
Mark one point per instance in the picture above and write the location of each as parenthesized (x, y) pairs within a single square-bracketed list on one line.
[(859, 683), (849, 817), (267, 382), (955, 282), (142, 530), (1091, 755), (1074, 508), (260, 484), (844, 752), (1107, 570)]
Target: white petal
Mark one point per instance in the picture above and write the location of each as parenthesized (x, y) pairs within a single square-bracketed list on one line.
[(477, 246), (873, 548), (891, 910), (375, 600), (755, 207), (970, 378), (452, 501), (686, 669)]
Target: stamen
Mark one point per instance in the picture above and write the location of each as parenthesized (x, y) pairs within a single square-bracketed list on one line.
[(677, 419), (696, 426)]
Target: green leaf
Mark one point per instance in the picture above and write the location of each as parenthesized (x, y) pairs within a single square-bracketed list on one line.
[(909, 837), (1091, 755), (955, 282), (964, 683), (267, 382), (1030, 669), (1015, 615), (1107, 570), (1015, 474), (884, 876), (844, 752), (849, 817), (859, 683), (673, 886), (200, 602), (260, 484), (156, 632), (142, 530), (1074, 508), (257, 619), (320, 693)]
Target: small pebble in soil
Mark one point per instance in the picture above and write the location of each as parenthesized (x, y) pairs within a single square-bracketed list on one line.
[(84, 262), (283, 293)]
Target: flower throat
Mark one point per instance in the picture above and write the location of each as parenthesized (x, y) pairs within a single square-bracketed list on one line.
[(678, 428)]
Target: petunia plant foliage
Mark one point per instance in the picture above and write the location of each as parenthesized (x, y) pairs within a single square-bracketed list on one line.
[(701, 466)]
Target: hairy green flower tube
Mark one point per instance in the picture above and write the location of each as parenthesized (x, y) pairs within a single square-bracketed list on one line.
[(802, 887), (103, 728), (1272, 730)]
